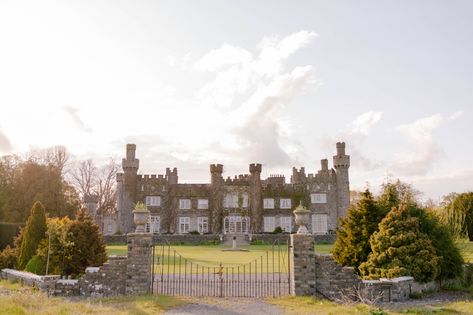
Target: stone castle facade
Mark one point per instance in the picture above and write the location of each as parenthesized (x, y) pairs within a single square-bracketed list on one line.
[(245, 204)]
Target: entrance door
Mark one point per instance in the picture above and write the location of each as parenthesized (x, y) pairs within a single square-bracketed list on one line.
[(236, 224)]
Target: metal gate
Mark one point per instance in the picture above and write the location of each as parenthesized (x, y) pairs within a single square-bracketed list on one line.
[(265, 276)]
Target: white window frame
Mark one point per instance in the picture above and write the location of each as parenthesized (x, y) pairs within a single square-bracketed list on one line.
[(268, 224), (319, 223), (285, 203), (109, 228), (202, 224), (154, 224), (286, 224), (153, 201), (318, 198), (184, 204), (268, 203), (202, 203), (231, 200), (184, 225)]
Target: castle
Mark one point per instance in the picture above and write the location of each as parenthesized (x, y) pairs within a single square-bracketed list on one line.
[(245, 204)]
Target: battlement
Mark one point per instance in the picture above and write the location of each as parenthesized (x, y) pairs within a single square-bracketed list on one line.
[(298, 176), (216, 168), (340, 148), (255, 168), (171, 176), (238, 179), (275, 180)]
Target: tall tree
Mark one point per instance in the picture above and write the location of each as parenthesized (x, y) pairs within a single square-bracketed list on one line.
[(353, 233), (33, 234)]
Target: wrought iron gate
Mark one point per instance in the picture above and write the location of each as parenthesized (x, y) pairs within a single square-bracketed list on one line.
[(267, 275)]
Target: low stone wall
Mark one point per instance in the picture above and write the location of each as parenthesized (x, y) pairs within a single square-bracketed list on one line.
[(173, 239), (334, 281), (43, 283), (386, 290), (269, 238)]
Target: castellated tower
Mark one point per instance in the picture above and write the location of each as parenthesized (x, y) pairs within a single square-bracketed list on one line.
[(341, 163), (127, 183), (216, 197), (255, 197)]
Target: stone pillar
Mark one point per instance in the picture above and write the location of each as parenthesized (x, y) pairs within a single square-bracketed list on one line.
[(303, 264), (138, 267)]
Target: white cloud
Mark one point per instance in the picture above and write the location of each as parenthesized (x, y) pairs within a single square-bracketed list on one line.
[(363, 123), (455, 115), (5, 144), (227, 55), (426, 152)]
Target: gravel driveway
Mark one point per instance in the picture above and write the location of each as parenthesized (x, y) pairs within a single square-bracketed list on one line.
[(230, 306)]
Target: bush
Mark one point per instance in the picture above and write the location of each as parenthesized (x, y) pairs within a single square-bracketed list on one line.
[(36, 265), (34, 232), (353, 234), (399, 248), (8, 257), (194, 232), (278, 230)]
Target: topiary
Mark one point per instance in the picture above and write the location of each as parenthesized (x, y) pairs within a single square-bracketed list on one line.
[(399, 248), (33, 234)]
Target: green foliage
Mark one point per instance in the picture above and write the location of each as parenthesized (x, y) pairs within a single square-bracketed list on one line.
[(194, 232), (278, 230), (457, 214), (34, 232), (36, 265), (450, 259), (399, 248), (8, 257), (89, 247), (8, 231), (352, 245)]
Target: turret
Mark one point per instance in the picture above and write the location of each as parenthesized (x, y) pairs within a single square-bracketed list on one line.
[(216, 171), (255, 198), (216, 198), (324, 165), (341, 163), (298, 176), (171, 176), (130, 167)]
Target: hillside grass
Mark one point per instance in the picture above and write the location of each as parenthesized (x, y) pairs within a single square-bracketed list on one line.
[(17, 300)]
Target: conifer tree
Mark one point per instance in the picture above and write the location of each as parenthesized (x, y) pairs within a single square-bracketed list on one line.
[(399, 248), (89, 248), (353, 234), (34, 232)]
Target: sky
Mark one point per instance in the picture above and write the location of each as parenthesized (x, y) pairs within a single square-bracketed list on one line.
[(236, 82)]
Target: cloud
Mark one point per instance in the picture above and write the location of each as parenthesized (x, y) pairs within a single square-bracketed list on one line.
[(5, 144), (426, 152), (227, 55), (363, 123), (455, 115), (74, 114)]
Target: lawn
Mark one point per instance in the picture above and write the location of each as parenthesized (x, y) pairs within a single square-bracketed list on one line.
[(262, 257), (466, 248), (16, 300)]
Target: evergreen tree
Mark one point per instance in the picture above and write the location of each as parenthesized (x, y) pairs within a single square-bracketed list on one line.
[(399, 248), (353, 234), (33, 234), (88, 249)]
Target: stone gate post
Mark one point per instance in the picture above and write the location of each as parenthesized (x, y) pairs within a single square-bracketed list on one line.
[(138, 268), (303, 264)]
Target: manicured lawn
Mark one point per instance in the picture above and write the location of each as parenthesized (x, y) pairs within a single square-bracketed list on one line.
[(15, 299), (265, 258)]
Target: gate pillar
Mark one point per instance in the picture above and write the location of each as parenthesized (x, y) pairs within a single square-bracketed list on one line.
[(138, 267), (303, 264)]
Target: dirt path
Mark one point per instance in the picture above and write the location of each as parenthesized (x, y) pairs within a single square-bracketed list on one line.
[(227, 306)]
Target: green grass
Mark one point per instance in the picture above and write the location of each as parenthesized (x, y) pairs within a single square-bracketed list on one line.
[(310, 305), (17, 300), (466, 248)]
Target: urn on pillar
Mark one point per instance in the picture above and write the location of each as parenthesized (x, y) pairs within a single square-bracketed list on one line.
[(140, 217), (302, 217)]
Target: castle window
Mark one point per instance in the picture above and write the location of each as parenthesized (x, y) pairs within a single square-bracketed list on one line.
[(268, 224), (184, 204), (286, 224), (285, 203), (202, 224), (318, 198), (154, 224), (319, 224), (268, 203), (232, 200), (109, 228), (153, 201), (184, 224), (202, 204)]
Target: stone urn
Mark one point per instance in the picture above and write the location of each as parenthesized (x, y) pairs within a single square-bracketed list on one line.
[(302, 217), (140, 217)]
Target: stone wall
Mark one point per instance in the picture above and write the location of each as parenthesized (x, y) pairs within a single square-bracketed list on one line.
[(173, 239), (106, 280), (43, 283)]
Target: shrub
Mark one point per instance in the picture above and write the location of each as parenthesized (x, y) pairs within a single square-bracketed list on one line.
[(353, 234), (36, 265), (278, 230), (8, 257), (194, 232), (399, 248), (34, 232)]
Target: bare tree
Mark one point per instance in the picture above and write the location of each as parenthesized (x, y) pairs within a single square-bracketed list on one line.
[(90, 180), (58, 156)]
